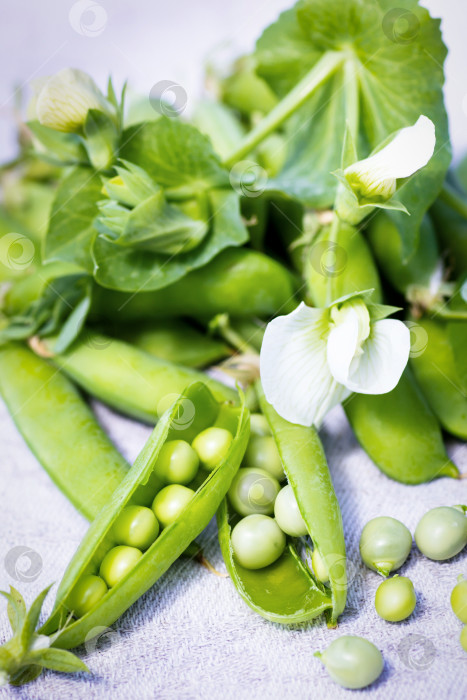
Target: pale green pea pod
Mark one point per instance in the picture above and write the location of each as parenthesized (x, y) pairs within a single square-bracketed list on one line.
[(435, 368)]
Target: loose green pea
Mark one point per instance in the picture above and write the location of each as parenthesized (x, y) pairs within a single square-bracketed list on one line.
[(352, 662), (86, 594), (385, 544), (169, 503), (459, 600), (395, 599), (259, 425), (442, 533), (463, 638), (262, 453), (136, 526), (177, 463), (287, 513), (319, 567), (257, 541), (118, 562), (212, 446), (253, 491)]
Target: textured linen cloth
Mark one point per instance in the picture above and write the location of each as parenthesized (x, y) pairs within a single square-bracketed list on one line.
[(191, 635)]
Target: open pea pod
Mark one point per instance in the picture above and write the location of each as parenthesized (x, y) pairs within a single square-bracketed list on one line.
[(400, 433), (195, 411), (60, 429), (286, 591), (436, 371)]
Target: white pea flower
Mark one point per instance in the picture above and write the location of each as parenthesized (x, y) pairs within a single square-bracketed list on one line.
[(312, 359), (372, 182), (64, 99)]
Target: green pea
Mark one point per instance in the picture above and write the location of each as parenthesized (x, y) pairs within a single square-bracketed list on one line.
[(385, 544), (177, 463), (463, 638), (136, 526), (442, 533), (257, 541), (395, 599), (253, 491), (86, 594), (459, 600), (259, 425), (262, 453), (319, 567), (352, 662), (212, 445), (287, 513), (118, 562), (169, 503)]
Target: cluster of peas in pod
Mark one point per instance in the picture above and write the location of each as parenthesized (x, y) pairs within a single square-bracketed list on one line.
[(138, 526), (385, 544), (268, 509)]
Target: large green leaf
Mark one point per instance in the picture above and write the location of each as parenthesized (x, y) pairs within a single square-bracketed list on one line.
[(391, 74), (71, 229), (134, 270), (174, 154)]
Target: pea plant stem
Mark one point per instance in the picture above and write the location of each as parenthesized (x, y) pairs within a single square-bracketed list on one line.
[(453, 199), (320, 72)]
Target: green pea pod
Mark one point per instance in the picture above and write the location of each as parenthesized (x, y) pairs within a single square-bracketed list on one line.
[(386, 246), (238, 281), (451, 229), (339, 262), (128, 379), (400, 433), (60, 429), (286, 591), (139, 488), (457, 331), (435, 369), (175, 341)]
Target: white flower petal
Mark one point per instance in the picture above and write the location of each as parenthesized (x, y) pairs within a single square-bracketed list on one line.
[(294, 371), (342, 345), (409, 151), (385, 355)]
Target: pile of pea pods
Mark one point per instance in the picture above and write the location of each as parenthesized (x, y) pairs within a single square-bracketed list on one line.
[(218, 448)]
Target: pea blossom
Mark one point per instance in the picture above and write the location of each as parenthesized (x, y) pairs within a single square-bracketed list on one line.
[(372, 182), (65, 98), (312, 359)]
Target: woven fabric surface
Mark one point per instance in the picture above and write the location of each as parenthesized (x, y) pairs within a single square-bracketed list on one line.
[(191, 636)]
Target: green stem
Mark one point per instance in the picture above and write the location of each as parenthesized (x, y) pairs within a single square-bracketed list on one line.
[(352, 107), (320, 72), (221, 324), (332, 239), (449, 315), (453, 199)]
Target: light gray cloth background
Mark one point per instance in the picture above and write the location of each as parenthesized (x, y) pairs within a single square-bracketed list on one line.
[(191, 636)]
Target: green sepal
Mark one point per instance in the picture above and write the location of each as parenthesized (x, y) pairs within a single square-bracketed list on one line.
[(352, 208), (58, 147), (100, 139)]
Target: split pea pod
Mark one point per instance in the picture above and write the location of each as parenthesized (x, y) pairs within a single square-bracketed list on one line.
[(435, 369), (400, 433), (60, 429), (127, 378), (286, 591), (175, 341), (238, 281), (107, 574)]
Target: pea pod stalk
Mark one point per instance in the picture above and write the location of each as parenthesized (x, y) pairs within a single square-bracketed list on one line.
[(286, 591), (139, 486)]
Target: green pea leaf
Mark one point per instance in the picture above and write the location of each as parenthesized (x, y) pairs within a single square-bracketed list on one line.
[(27, 674), (71, 230), (141, 270), (16, 608), (388, 78), (59, 660), (32, 618), (174, 154)]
